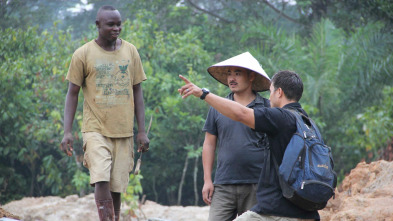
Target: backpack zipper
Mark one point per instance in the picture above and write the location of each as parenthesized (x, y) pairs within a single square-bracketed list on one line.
[(315, 181)]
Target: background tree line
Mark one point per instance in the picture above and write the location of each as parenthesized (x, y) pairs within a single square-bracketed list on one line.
[(341, 49)]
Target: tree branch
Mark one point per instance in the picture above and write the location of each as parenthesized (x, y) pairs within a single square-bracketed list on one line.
[(281, 12), (208, 12)]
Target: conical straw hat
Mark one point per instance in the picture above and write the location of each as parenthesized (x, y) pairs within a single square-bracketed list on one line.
[(246, 60)]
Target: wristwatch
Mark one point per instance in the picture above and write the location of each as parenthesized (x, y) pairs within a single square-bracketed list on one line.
[(205, 92)]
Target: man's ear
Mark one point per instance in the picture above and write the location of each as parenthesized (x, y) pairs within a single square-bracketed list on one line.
[(280, 92), (97, 24), (252, 76)]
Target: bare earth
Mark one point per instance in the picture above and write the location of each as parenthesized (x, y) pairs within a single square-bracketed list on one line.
[(365, 194)]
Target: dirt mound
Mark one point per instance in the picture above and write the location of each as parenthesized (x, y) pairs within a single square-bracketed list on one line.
[(4, 213), (365, 194)]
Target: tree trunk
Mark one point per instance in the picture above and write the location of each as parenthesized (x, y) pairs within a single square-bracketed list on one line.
[(196, 194), (154, 190), (82, 191), (182, 180), (33, 175)]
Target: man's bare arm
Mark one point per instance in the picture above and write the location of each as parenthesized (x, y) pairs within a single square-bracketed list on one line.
[(69, 114), (208, 153), (139, 105)]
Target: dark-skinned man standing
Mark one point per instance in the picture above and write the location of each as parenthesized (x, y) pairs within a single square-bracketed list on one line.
[(109, 71)]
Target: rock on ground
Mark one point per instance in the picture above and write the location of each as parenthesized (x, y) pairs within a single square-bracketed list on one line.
[(365, 194)]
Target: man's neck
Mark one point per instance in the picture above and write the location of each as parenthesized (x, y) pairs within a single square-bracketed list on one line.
[(244, 98), (283, 103), (107, 45)]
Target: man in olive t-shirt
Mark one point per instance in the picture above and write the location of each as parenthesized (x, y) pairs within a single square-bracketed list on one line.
[(109, 71)]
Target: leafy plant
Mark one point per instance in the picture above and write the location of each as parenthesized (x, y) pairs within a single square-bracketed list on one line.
[(132, 195), (372, 129), (81, 181)]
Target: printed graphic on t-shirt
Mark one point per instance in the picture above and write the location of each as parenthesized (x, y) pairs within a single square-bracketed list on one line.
[(112, 83)]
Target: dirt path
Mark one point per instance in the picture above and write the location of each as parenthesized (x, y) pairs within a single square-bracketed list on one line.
[(365, 194), (84, 209), (4, 213)]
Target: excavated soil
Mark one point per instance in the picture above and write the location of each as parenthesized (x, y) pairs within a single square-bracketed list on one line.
[(365, 194)]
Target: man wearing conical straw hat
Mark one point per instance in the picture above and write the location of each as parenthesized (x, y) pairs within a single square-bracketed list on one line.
[(240, 149)]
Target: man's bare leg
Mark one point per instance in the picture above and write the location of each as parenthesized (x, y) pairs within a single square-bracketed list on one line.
[(104, 201), (116, 197)]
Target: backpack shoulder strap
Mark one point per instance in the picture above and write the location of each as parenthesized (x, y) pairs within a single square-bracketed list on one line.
[(305, 122), (300, 117)]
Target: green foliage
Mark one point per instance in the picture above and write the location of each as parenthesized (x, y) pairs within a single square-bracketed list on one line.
[(372, 129), (351, 14), (343, 74), (176, 123), (11, 183), (131, 196), (81, 181), (342, 55), (32, 68), (24, 14)]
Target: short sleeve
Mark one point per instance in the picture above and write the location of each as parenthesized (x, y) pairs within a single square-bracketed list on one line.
[(138, 72), (75, 71), (210, 123), (265, 120)]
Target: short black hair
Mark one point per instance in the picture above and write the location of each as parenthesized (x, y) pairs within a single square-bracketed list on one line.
[(290, 83), (105, 8)]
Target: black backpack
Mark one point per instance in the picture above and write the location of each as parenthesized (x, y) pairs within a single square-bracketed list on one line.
[(306, 173)]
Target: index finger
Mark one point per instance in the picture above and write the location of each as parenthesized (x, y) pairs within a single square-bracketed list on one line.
[(61, 146), (184, 79)]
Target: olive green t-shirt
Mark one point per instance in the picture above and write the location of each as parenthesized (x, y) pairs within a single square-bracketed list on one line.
[(107, 79)]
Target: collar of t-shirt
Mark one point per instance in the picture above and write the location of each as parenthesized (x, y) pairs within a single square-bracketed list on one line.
[(258, 99), (295, 106)]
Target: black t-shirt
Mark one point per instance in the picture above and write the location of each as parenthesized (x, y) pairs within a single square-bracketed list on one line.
[(279, 125), (239, 153)]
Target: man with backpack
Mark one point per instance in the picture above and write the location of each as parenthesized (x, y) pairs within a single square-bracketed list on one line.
[(279, 124)]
